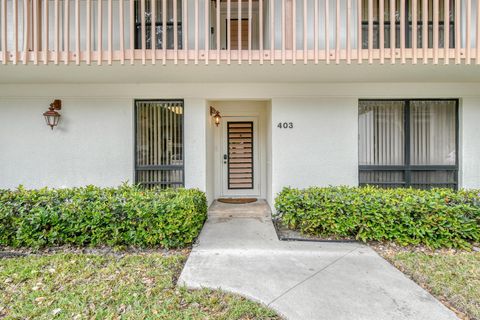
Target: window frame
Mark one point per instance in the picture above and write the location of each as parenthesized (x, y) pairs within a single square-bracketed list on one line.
[(407, 168), (138, 167), (409, 24), (159, 24)]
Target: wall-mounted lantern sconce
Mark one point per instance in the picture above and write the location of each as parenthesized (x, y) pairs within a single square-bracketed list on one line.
[(52, 116), (216, 115)]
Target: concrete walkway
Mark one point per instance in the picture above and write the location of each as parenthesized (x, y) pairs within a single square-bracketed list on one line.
[(301, 280)]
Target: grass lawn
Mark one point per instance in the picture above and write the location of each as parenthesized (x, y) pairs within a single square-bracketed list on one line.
[(92, 286), (454, 278)]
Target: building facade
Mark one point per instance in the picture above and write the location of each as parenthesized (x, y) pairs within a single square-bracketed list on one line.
[(313, 92)]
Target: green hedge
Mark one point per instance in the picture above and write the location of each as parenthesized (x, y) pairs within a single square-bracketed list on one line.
[(436, 218), (92, 216)]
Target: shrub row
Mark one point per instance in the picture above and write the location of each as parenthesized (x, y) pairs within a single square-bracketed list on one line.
[(436, 218), (92, 216)]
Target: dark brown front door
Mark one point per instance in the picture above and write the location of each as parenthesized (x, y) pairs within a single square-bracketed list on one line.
[(240, 155), (237, 32)]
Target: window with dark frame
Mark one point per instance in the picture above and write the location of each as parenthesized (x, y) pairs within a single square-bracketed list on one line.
[(159, 143), (408, 143), (158, 24), (442, 23)]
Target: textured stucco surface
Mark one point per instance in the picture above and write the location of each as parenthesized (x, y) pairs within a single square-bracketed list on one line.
[(94, 142)]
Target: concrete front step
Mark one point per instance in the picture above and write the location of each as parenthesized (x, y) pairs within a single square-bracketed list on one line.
[(258, 209)]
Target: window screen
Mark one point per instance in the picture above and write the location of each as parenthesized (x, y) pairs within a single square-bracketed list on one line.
[(159, 143)]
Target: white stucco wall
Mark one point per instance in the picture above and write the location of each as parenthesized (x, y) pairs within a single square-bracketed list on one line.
[(94, 141), (92, 145), (195, 143), (269, 155), (210, 156), (321, 149), (470, 143)]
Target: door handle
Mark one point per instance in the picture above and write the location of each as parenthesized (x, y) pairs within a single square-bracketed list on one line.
[(225, 159)]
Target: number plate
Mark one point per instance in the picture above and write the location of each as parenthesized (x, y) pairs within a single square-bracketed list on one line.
[(285, 125)]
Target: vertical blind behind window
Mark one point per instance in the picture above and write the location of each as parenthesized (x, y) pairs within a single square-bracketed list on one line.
[(159, 143), (408, 143)]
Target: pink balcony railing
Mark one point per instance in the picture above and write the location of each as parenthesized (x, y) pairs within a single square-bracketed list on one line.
[(236, 31)]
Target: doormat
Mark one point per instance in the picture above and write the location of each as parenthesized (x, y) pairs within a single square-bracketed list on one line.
[(237, 200)]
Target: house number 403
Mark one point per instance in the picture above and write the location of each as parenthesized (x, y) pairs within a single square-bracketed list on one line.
[(285, 125)]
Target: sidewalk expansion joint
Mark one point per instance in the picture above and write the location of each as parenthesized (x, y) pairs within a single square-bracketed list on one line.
[(311, 276)]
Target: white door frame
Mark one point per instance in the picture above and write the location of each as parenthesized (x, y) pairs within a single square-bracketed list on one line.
[(225, 192)]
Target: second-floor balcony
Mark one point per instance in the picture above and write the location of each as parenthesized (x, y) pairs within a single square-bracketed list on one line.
[(239, 31)]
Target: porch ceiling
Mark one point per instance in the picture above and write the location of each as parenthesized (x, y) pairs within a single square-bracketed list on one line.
[(276, 73)]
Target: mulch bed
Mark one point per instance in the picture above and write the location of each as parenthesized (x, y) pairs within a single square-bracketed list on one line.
[(286, 234), (391, 248), (9, 252)]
